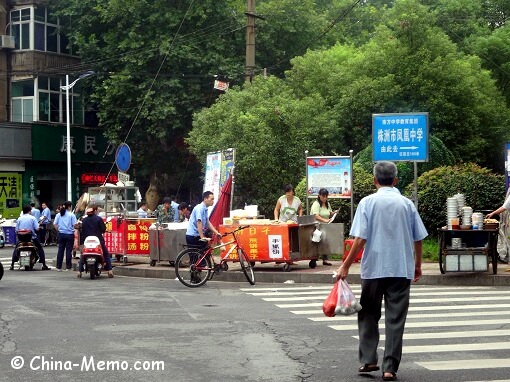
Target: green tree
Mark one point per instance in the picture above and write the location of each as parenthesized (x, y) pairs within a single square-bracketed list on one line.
[(155, 62), (264, 123)]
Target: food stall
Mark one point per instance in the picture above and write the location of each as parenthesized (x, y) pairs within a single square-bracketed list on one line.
[(468, 250), (166, 241), (270, 241), (126, 233)]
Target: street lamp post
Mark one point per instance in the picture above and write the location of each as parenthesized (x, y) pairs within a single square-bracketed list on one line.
[(68, 129)]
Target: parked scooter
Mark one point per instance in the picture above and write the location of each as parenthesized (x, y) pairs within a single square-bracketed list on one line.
[(26, 251), (2, 233), (92, 256)]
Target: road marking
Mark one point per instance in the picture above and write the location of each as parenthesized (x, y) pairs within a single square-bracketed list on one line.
[(433, 324), (413, 294), (456, 347), (353, 286), (420, 308), (494, 297), (438, 335), (459, 364), (471, 313)]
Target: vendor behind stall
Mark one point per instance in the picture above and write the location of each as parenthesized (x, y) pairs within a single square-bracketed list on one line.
[(321, 208), (288, 207), (165, 212)]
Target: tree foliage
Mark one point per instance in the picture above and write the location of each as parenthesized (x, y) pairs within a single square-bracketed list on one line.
[(264, 123)]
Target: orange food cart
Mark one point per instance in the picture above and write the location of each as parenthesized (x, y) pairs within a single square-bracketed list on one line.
[(287, 243)]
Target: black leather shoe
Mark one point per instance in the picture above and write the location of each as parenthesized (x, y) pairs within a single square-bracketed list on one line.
[(11, 268), (45, 268)]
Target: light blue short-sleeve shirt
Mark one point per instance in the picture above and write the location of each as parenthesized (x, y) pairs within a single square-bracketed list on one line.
[(36, 214), (175, 206), (199, 213), (390, 224), (65, 223), (47, 214), (29, 222)]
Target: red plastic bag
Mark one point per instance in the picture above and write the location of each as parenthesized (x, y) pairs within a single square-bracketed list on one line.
[(329, 305)]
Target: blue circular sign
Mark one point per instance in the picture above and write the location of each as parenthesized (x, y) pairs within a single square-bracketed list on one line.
[(123, 157)]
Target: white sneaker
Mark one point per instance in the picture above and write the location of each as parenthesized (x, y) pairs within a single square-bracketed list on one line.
[(59, 270), (67, 270)]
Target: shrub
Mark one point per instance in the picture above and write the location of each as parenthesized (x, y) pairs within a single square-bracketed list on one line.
[(483, 191)]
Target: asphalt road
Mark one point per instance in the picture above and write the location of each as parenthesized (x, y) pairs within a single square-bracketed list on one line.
[(105, 329)]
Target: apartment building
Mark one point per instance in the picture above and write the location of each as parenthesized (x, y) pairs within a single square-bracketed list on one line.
[(35, 58)]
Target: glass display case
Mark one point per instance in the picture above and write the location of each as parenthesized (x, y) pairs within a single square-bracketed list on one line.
[(115, 200)]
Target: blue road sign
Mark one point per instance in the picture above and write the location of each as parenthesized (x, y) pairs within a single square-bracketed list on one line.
[(400, 137)]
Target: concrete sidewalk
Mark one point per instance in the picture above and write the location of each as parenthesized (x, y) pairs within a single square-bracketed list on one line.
[(301, 273), (138, 266)]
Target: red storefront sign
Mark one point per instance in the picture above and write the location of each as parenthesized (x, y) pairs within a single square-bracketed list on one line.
[(88, 178)]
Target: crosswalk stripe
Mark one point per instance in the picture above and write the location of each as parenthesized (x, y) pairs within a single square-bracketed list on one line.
[(464, 334), (456, 347), (443, 321), (493, 297), (353, 286), (422, 315), (466, 364), (433, 324), (422, 308), (413, 294)]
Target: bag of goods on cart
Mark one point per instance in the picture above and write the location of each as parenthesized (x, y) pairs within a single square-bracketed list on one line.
[(347, 303)]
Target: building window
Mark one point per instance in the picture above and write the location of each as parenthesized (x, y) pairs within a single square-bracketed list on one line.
[(50, 103), (22, 101), (34, 28)]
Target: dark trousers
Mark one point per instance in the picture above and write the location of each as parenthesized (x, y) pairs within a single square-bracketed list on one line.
[(194, 242), (395, 292), (42, 233), (65, 242), (40, 249)]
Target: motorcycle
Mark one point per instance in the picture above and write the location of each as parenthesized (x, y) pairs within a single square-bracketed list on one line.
[(2, 234), (92, 256), (26, 251)]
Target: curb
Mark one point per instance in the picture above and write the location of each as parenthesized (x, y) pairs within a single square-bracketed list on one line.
[(460, 279)]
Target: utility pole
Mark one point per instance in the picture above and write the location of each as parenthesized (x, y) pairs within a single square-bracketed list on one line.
[(250, 40)]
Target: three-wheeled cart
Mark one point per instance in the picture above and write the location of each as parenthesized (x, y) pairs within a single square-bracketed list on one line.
[(166, 241), (477, 248), (287, 243)]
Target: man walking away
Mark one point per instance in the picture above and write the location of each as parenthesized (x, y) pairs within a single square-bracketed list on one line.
[(389, 227)]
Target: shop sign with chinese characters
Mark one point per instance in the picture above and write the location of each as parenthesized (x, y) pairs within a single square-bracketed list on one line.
[(10, 195), (262, 242), (49, 143), (125, 237), (400, 137)]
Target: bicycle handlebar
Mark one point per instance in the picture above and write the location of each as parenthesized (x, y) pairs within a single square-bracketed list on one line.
[(237, 229)]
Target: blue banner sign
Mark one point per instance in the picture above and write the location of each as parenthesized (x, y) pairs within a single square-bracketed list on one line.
[(400, 137)]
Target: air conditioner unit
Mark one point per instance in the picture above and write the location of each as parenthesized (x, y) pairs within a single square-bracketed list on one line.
[(7, 41)]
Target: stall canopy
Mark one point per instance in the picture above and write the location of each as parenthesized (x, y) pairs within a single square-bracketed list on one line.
[(222, 207)]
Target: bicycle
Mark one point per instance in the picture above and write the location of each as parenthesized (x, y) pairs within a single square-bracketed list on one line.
[(194, 266)]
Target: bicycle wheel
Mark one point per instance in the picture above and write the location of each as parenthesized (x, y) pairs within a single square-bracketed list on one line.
[(188, 271), (246, 266)]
